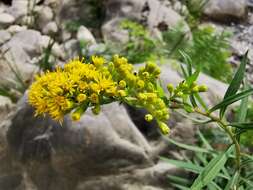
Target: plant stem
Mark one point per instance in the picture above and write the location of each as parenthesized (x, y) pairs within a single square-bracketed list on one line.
[(224, 126)]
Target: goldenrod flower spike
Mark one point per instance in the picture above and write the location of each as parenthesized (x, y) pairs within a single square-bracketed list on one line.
[(79, 85)]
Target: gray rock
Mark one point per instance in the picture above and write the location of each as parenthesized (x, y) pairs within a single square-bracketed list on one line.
[(6, 19), (151, 13), (4, 36), (13, 29), (17, 54), (84, 35), (18, 9), (50, 28), (45, 15), (226, 10)]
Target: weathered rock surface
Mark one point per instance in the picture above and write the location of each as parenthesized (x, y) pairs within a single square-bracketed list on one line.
[(151, 13), (226, 10)]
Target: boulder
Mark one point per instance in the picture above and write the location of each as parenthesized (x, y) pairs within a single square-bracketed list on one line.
[(4, 36), (151, 13), (226, 10), (6, 19)]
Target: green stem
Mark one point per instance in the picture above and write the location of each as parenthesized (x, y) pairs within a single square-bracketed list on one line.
[(228, 131)]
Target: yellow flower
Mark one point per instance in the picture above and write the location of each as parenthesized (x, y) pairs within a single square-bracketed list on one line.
[(97, 61), (94, 98), (164, 128), (148, 117), (81, 98), (122, 84)]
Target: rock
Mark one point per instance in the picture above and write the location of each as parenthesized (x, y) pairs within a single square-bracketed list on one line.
[(17, 54), (71, 47), (4, 36), (45, 15), (16, 28), (84, 35), (50, 28), (151, 13), (18, 9), (226, 10), (6, 19)]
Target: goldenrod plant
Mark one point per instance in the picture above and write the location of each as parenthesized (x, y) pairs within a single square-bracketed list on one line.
[(81, 84)]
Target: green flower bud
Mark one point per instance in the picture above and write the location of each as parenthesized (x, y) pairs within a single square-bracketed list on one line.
[(164, 128), (203, 88), (170, 88), (195, 89), (96, 110), (180, 94), (148, 117), (122, 84)]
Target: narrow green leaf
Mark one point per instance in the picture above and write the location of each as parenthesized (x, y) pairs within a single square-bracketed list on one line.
[(190, 147), (203, 139), (242, 112), (178, 180), (211, 170), (235, 83), (185, 165), (193, 101), (231, 99), (242, 125), (201, 101), (181, 187), (187, 60), (183, 71), (192, 78), (232, 183)]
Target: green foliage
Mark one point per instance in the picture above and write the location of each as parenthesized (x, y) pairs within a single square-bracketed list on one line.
[(140, 46), (45, 63), (214, 168), (208, 51)]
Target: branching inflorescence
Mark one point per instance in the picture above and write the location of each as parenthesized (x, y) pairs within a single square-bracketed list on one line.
[(79, 85)]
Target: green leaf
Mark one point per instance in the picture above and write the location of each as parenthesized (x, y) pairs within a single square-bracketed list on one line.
[(160, 89), (211, 170), (231, 99), (242, 112), (193, 101), (192, 78), (201, 101), (178, 180), (187, 59), (235, 83), (185, 165), (232, 183), (190, 147), (203, 139), (242, 125), (181, 187)]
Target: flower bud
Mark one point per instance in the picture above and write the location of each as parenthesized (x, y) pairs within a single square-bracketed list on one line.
[(170, 87), (148, 117), (203, 88), (81, 98), (164, 128), (122, 84)]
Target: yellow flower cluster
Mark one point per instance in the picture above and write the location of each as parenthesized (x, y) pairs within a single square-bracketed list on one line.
[(79, 85), (75, 87), (142, 88), (184, 89)]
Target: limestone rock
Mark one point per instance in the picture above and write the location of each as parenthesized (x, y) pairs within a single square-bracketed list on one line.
[(151, 13), (83, 34), (6, 19), (226, 10), (50, 28), (4, 36)]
